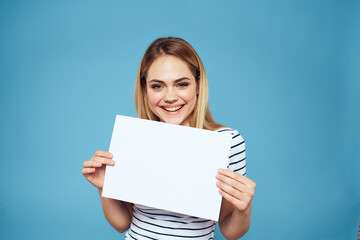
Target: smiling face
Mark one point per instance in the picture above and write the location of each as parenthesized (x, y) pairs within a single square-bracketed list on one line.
[(171, 90)]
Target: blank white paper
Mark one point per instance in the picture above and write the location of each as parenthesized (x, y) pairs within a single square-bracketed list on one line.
[(166, 166)]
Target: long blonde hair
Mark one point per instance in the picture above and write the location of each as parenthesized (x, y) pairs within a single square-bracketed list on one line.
[(201, 116)]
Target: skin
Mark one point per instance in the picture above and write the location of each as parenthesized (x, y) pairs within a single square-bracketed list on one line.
[(172, 94), (117, 213), (170, 84)]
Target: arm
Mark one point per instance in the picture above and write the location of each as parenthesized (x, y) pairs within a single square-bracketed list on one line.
[(235, 213), (117, 213)]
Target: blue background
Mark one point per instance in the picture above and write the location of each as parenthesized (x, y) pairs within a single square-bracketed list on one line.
[(284, 73)]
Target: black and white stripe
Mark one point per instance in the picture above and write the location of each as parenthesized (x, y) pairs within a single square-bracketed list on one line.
[(151, 223), (237, 157)]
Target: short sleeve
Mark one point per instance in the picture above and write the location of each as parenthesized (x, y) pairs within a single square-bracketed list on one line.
[(237, 157)]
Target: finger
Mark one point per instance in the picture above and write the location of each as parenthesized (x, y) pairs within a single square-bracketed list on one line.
[(104, 161), (233, 183), (229, 190), (248, 189), (101, 153), (86, 171), (234, 201), (238, 177), (89, 174), (89, 164), (244, 197)]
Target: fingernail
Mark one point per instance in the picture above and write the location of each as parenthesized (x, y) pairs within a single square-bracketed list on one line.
[(220, 170), (112, 162)]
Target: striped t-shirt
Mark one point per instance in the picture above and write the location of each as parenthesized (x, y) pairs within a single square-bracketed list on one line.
[(151, 223)]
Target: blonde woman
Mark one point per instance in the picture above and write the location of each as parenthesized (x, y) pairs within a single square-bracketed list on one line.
[(171, 86)]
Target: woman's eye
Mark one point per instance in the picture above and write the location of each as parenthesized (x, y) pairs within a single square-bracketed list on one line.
[(183, 84), (156, 86)]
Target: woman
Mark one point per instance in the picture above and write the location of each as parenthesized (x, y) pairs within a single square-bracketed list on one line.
[(171, 86)]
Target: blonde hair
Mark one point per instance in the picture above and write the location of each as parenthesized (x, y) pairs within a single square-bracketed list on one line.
[(201, 116)]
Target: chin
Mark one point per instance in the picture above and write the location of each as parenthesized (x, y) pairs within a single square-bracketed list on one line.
[(172, 121)]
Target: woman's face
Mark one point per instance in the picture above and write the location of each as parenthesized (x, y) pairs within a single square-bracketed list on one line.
[(171, 90)]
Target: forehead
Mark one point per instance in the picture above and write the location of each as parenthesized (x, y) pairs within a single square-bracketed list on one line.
[(168, 68)]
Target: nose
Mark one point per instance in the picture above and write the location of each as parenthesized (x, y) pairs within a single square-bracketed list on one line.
[(170, 96)]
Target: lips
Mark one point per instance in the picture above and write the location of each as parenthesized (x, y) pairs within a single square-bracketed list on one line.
[(172, 109)]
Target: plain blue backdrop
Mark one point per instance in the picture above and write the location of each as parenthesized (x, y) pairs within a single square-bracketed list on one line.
[(284, 73)]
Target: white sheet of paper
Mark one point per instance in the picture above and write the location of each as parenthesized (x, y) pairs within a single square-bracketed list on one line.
[(166, 166)]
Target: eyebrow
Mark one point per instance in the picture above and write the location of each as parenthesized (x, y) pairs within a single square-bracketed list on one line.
[(177, 80)]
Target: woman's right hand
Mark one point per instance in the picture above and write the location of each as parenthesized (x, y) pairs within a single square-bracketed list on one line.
[(94, 169)]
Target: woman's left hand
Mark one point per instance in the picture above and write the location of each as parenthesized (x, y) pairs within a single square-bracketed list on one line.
[(235, 188)]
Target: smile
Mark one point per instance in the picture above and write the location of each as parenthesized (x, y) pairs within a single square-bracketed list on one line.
[(172, 109)]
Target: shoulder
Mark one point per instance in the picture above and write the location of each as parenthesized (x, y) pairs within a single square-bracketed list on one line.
[(236, 136), (237, 156)]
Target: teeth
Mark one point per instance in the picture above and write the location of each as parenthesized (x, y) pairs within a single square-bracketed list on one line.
[(173, 109)]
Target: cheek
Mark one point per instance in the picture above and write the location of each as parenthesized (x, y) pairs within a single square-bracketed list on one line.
[(189, 96), (153, 99)]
